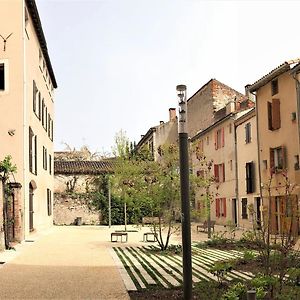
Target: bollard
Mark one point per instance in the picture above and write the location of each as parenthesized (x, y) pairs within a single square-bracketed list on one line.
[(251, 295)]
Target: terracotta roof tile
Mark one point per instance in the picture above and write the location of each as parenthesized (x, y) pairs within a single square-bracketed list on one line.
[(83, 167)]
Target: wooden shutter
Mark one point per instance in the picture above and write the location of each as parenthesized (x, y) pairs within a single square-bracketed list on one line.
[(30, 148), (216, 139), (275, 114), (272, 161), (216, 172), (270, 116), (34, 96), (223, 137), (224, 207), (244, 208), (40, 107), (218, 208), (223, 171), (35, 155), (283, 157)]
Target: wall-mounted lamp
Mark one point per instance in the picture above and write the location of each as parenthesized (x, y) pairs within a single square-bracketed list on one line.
[(11, 132)]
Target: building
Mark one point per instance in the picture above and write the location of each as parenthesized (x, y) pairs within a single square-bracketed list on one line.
[(27, 84), (248, 186), (209, 99), (277, 117), (164, 133)]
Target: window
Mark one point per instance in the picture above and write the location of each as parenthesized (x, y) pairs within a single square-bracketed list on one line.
[(274, 87), (43, 112), (199, 149), (49, 202), (40, 106), (51, 136), (32, 152), (50, 164), (244, 208), (250, 177), (200, 173), (221, 207), (46, 118), (274, 114), (49, 125), (230, 165), (230, 128), (296, 164), (248, 133), (2, 77), (45, 157), (35, 93), (207, 140), (219, 172), (277, 159), (219, 139)]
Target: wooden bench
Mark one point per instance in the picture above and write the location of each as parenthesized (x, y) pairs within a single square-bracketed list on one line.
[(204, 226), (150, 220), (117, 235), (149, 234)]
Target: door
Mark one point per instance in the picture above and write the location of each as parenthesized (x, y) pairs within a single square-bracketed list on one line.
[(234, 212), (258, 214), (30, 208)]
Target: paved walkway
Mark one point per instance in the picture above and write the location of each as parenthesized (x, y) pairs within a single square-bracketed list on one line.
[(66, 263)]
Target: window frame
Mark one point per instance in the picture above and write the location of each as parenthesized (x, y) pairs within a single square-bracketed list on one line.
[(5, 64)]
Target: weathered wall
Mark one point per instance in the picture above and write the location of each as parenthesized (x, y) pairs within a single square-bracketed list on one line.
[(2, 243), (66, 209)]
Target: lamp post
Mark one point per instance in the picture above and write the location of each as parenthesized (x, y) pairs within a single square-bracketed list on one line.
[(184, 186)]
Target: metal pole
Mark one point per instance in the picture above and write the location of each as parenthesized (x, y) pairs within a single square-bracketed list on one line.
[(185, 202), (109, 204), (251, 295)]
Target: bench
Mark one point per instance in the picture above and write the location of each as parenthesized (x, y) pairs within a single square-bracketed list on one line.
[(204, 226), (147, 237), (150, 220), (116, 235)]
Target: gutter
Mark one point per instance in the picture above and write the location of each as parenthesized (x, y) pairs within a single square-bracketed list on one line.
[(237, 178), (298, 103)]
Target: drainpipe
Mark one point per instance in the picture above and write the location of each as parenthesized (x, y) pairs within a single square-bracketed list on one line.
[(258, 156), (237, 178), (25, 130), (298, 106)]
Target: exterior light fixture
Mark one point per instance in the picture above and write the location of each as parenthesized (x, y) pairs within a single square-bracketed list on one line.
[(184, 188)]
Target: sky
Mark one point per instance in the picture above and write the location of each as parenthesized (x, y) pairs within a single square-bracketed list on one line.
[(117, 62)]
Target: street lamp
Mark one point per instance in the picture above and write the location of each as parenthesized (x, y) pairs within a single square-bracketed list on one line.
[(184, 186)]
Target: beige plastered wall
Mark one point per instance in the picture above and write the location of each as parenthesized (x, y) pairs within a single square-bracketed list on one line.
[(286, 136), (247, 152), (224, 155), (22, 59)]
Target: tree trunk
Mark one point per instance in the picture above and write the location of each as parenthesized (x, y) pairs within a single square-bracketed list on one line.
[(2, 236)]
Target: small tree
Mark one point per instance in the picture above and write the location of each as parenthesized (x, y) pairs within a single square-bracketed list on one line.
[(7, 168)]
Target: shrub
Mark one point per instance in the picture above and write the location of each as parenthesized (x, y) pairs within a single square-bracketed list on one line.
[(235, 292), (220, 269)]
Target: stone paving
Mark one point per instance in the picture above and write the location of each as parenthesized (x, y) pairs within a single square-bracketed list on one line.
[(141, 268)]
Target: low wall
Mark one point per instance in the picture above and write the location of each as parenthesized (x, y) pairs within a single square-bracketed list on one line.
[(66, 209)]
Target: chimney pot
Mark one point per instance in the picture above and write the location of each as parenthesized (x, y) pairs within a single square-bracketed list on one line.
[(172, 114)]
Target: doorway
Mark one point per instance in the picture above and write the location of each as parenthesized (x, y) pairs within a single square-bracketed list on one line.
[(31, 207), (257, 210), (234, 212)]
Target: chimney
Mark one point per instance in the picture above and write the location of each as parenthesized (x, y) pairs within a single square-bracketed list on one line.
[(161, 122), (230, 107), (172, 114)]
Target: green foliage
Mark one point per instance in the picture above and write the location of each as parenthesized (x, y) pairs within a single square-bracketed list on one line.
[(294, 276), (235, 292), (263, 284), (7, 167), (220, 269), (218, 240)]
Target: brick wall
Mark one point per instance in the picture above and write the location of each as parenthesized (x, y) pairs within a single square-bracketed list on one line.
[(66, 209)]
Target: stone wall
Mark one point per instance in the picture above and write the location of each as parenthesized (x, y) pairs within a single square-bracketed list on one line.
[(66, 209)]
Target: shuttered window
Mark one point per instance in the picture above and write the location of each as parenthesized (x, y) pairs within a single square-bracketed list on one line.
[(49, 202), (274, 121), (248, 133), (219, 138), (244, 208), (277, 159), (31, 134), (219, 172), (2, 77), (220, 207), (250, 177)]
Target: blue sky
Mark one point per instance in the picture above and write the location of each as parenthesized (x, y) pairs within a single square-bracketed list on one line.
[(117, 62)]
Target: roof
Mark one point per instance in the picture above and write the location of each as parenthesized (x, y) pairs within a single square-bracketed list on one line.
[(145, 137), (296, 69), (82, 167), (213, 80), (33, 11), (273, 74), (245, 115)]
